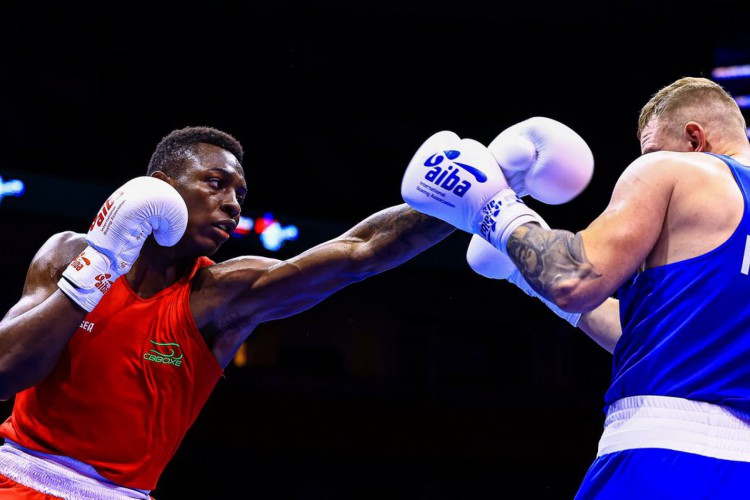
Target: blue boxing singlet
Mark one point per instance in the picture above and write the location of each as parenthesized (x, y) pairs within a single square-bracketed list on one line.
[(678, 407), (677, 317)]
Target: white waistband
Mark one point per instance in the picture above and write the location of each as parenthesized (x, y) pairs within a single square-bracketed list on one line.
[(59, 476), (676, 424)]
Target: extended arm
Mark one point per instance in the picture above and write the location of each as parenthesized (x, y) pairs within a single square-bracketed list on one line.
[(382, 241), (246, 291), (542, 156)]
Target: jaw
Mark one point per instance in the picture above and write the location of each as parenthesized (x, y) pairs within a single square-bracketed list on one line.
[(191, 246), (203, 243)]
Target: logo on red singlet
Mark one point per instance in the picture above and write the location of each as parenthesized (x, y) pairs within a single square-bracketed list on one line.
[(165, 353)]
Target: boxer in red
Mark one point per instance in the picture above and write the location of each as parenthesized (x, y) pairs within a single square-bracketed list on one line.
[(122, 333)]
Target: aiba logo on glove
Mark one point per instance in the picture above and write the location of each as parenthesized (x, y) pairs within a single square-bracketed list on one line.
[(102, 282), (99, 219), (445, 174), (80, 262)]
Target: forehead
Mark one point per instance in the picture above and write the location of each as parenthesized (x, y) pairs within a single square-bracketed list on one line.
[(205, 157)]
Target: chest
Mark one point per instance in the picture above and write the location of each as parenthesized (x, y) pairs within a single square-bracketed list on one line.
[(125, 339)]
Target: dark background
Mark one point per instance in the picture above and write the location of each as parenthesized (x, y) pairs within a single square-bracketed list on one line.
[(425, 382)]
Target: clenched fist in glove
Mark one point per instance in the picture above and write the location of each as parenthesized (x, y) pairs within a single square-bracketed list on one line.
[(544, 159), (458, 181), (550, 162), (141, 206)]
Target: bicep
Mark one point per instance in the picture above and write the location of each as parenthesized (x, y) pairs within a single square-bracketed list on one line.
[(578, 271), (303, 281), (44, 272), (266, 290), (621, 238), (380, 242)]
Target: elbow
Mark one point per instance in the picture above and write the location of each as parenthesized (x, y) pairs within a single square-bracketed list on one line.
[(571, 296), (567, 299)]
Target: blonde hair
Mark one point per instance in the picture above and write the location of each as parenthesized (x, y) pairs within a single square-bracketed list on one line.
[(694, 99)]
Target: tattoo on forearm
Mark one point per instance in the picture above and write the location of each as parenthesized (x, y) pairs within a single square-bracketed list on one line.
[(401, 232), (546, 257)]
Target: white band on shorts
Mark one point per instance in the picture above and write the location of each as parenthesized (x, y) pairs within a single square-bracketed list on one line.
[(676, 424), (60, 476)]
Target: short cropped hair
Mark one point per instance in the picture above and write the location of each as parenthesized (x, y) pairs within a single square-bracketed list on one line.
[(694, 98), (174, 148)]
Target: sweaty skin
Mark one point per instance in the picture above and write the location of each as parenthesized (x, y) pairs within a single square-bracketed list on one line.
[(671, 204), (228, 299)]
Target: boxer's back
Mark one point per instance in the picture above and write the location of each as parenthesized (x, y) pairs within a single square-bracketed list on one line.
[(685, 324), (705, 208)]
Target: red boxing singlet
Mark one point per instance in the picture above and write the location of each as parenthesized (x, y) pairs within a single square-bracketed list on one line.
[(126, 389)]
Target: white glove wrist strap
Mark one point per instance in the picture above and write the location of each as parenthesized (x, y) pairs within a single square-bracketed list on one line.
[(502, 215), (87, 278)]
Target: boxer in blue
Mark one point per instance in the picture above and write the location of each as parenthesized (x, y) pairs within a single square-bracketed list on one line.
[(674, 246)]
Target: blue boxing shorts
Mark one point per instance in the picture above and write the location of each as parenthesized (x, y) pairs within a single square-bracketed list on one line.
[(656, 447)]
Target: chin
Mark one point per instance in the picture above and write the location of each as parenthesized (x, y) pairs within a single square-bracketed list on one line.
[(211, 251), (207, 250), (204, 247)]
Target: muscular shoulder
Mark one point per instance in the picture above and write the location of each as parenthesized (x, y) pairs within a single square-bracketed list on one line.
[(216, 286), (660, 165), (663, 171), (239, 269), (674, 165), (56, 253), (704, 205), (47, 267)]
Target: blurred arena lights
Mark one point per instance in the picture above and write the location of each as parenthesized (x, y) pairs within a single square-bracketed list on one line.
[(743, 101), (12, 187), (272, 234), (48, 195), (275, 235), (727, 72), (736, 79)]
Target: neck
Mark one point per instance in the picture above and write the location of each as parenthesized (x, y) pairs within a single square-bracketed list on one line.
[(741, 154), (157, 268), (737, 149)]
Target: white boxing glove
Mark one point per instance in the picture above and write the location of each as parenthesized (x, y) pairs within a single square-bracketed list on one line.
[(139, 207), (545, 159), (489, 262), (458, 181)]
